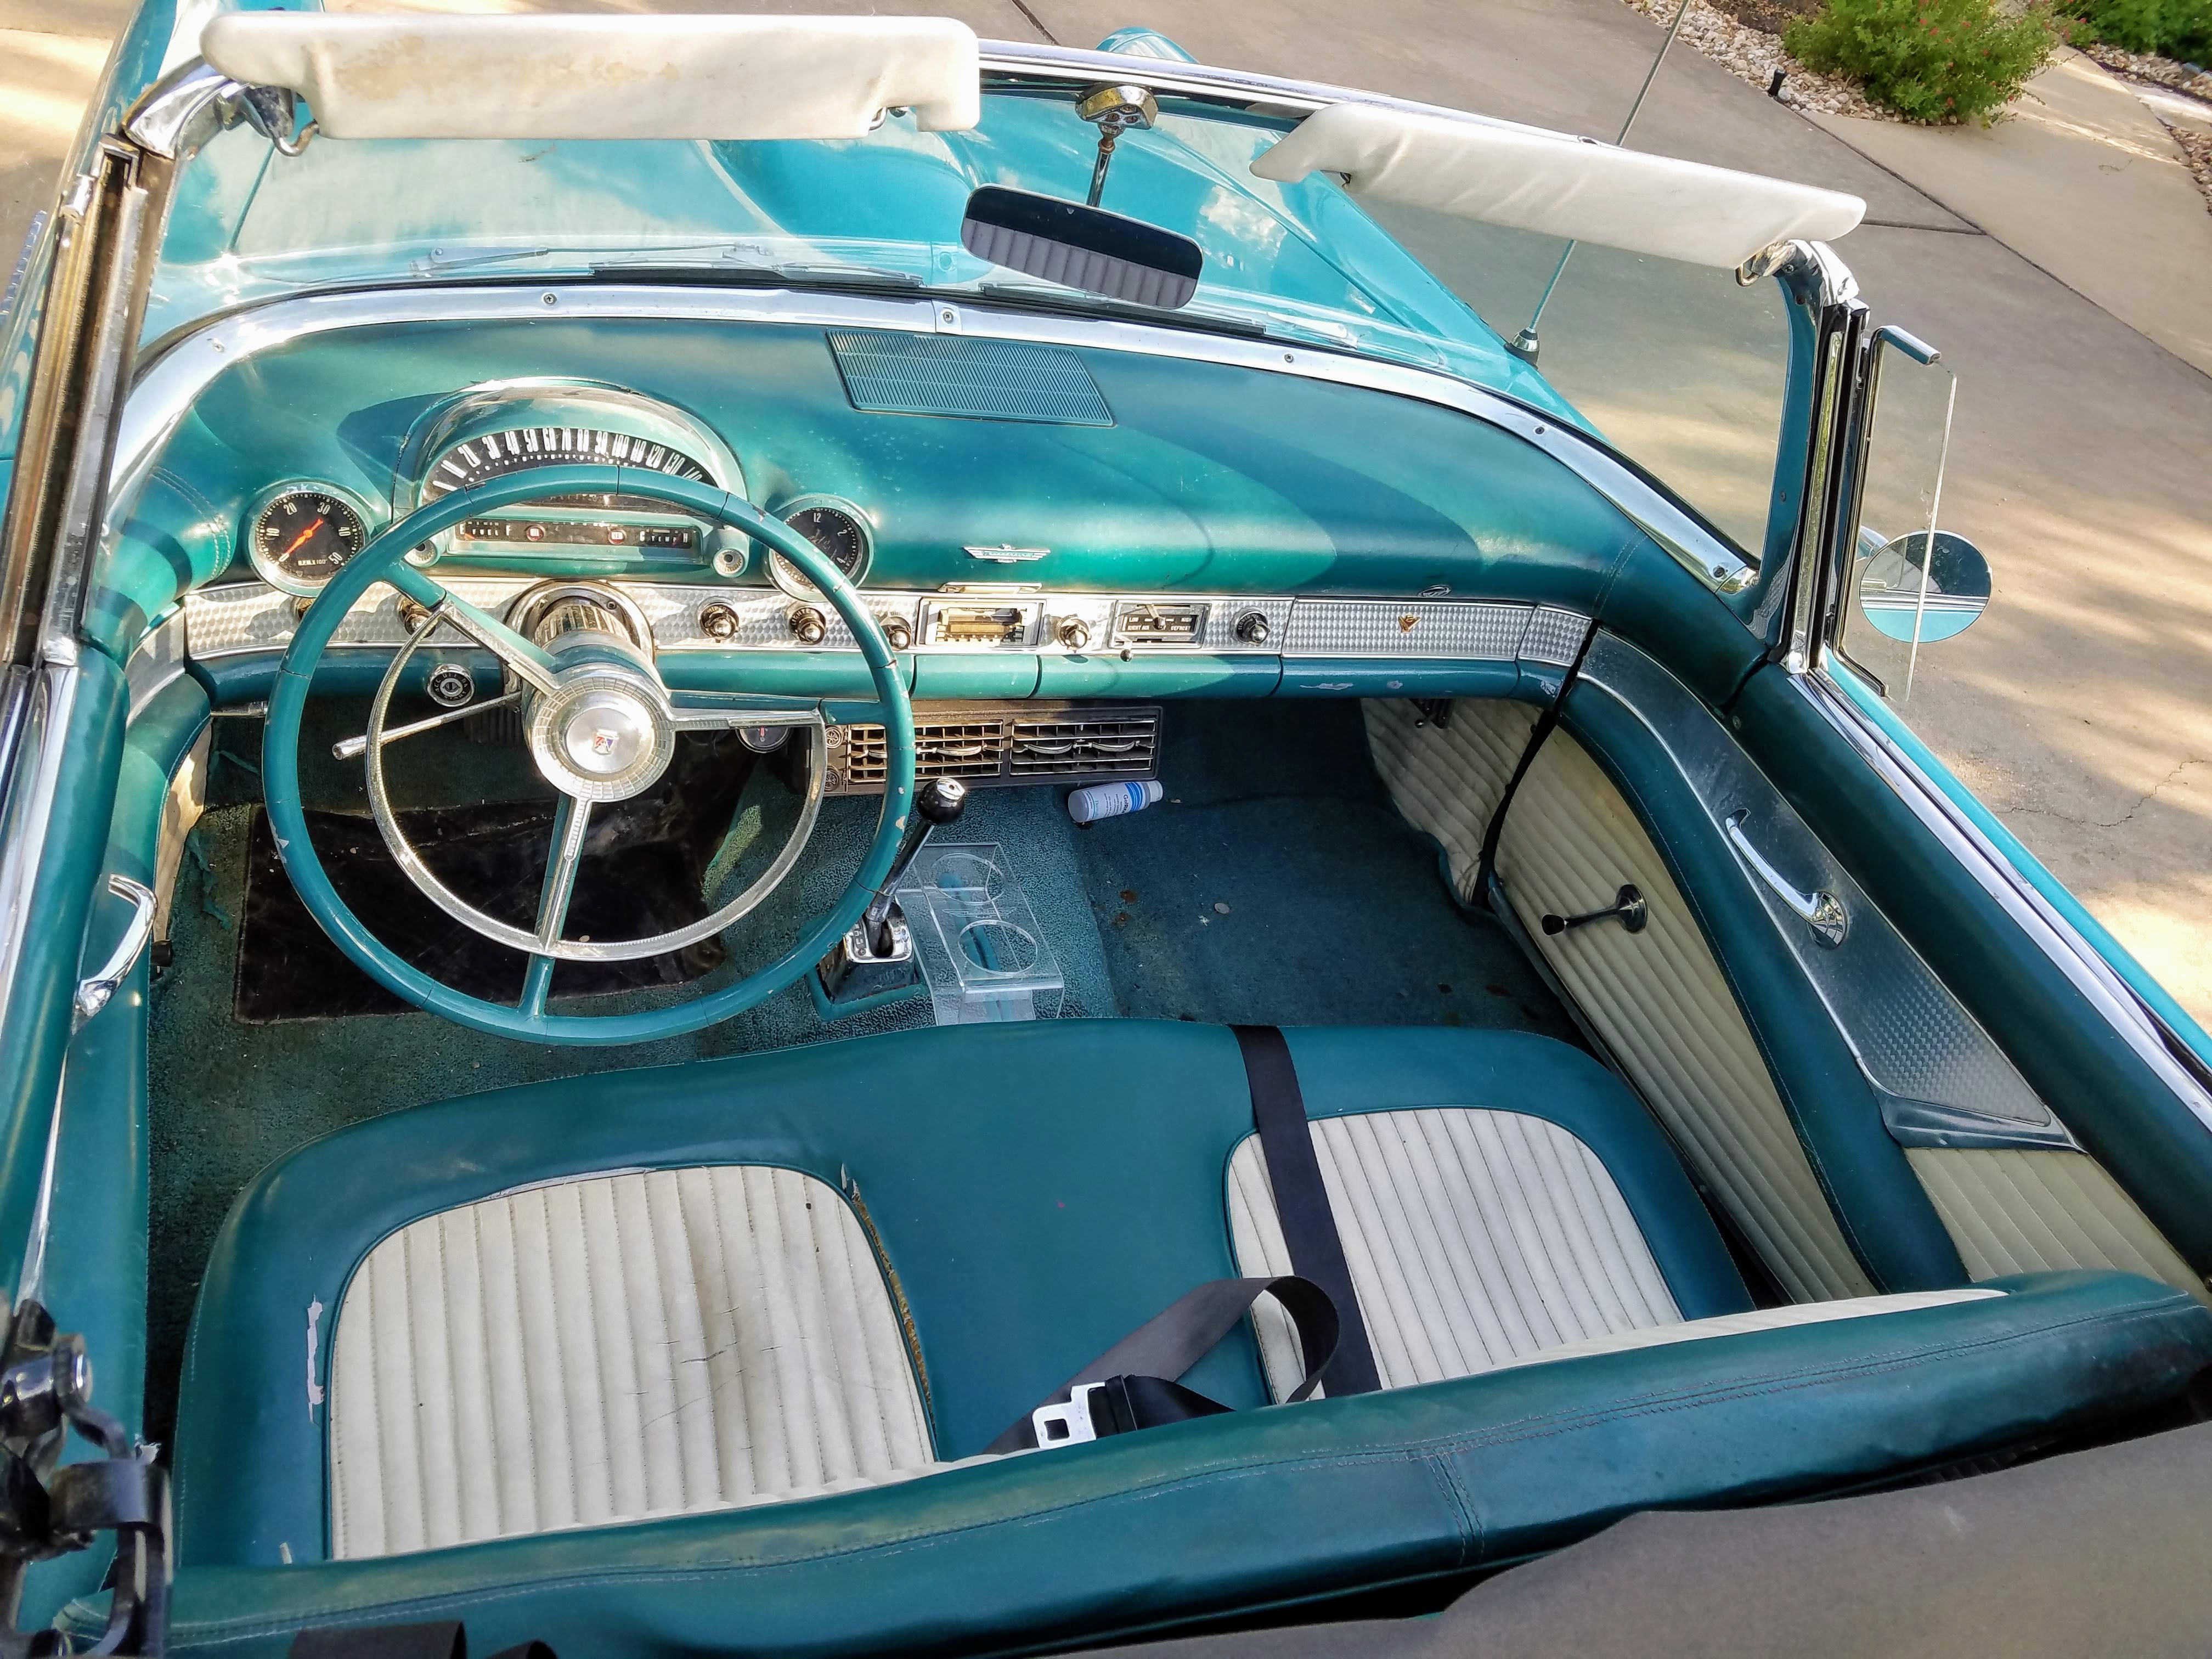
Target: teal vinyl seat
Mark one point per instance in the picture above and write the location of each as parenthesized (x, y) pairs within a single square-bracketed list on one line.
[(705, 1357)]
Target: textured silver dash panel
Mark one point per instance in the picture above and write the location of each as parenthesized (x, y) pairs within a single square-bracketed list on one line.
[(1554, 636), (220, 622), (981, 380), (1419, 628), (764, 619)]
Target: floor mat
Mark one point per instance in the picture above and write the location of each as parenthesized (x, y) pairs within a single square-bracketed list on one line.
[(1276, 883)]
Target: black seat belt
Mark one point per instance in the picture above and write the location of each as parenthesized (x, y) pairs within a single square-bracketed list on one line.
[(1278, 1112), (1132, 1386)]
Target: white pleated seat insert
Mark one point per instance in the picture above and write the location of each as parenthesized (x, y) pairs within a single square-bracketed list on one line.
[(1476, 1238), (610, 1348)]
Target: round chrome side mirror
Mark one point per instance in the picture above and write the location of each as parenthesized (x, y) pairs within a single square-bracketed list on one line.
[(1908, 591)]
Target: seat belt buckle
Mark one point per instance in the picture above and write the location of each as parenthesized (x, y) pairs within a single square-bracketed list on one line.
[(1093, 1411), (1072, 1424)]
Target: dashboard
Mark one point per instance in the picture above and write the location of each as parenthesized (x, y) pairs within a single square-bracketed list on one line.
[(1025, 519)]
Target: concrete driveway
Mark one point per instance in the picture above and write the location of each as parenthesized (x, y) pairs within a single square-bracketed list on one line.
[(2081, 708)]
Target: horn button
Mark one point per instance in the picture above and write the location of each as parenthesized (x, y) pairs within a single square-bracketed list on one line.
[(600, 737)]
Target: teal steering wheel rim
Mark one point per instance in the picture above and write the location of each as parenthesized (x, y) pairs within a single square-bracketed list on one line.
[(385, 560)]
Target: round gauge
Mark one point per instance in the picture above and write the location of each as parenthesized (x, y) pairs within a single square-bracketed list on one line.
[(836, 528), (302, 535)]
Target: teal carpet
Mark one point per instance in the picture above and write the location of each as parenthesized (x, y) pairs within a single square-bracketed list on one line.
[(1274, 883)]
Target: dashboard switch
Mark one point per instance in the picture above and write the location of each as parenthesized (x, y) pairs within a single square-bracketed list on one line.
[(451, 685), (1252, 627), (897, 633), (1073, 632), (718, 621), (807, 626)]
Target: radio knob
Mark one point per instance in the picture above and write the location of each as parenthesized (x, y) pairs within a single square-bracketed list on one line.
[(1252, 627), (807, 626), (718, 621), (1073, 632), (897, 633)]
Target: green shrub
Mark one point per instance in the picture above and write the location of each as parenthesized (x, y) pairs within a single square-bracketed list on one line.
[(2173, 29), (1939, 61)]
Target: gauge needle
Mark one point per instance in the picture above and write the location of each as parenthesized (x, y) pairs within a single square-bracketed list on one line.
[(301, 537)]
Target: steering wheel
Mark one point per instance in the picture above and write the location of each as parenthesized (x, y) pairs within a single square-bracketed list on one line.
[(601, 726)]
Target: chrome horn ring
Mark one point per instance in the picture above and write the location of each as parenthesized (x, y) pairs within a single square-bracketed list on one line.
[(561, 704)]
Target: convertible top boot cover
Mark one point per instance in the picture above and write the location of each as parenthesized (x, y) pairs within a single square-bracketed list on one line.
[(2098, 1551)]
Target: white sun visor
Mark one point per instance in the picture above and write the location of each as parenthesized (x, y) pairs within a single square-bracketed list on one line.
[(1558, 185), (425, 75)]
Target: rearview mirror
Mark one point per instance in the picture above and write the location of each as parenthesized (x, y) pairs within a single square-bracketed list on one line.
[(1909, 592), (1081, 248)]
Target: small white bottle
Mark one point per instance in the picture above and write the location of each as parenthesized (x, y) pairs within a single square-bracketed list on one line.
[(1110, 800)]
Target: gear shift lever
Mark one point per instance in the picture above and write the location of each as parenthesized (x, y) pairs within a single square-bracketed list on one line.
[(876, 957), (937, 803)]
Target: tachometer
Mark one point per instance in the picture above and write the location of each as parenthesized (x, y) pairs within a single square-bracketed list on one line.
[(302, 536), (836, 528)]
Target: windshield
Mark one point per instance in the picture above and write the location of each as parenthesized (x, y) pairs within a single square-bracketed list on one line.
[(1300, 262)]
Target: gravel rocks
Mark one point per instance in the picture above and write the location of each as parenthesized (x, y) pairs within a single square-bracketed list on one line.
[(2158, 71), (2197, 149), (1754, 55)]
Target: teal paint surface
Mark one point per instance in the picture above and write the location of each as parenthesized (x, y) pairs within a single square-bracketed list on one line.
[(2177, 1018)]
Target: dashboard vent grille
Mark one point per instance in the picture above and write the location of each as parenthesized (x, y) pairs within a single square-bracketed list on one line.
[(984, 745), (867, 758), (958, 748), (977, 379), (1085, 747)]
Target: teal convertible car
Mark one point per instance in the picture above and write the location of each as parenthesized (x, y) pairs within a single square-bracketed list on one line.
[(818, 840)]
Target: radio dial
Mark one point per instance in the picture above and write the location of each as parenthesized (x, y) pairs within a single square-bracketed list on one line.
[(1073, 633), (1252, 627), (897, 633)]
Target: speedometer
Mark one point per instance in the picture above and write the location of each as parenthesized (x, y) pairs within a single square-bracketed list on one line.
[(835, 527), (494, 454), (302, 536)]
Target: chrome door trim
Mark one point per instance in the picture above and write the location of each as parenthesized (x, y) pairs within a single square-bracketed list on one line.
[(167, 385), (1937, 1076), (2137, 1024), (50, 699)]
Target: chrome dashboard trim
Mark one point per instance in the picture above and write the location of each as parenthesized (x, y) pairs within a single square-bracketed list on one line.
[(167, 385), (240, 618)]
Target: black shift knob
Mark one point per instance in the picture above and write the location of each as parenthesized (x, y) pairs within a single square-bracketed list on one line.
[(941, 799)]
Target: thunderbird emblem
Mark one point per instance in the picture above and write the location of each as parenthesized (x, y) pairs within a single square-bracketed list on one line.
[(1405, 623), (603, 742)]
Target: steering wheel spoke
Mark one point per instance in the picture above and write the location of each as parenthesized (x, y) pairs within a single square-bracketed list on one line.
[(572, 823), (531, 664)]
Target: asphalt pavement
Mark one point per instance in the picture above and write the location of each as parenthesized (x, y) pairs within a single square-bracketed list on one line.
[(2059, 262)]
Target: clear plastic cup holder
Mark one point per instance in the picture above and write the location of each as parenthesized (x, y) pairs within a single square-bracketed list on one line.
[(982, 953)]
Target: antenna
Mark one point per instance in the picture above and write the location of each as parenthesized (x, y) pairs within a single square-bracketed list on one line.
[(1524, 346)]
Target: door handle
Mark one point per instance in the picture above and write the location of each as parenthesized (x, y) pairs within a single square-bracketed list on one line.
[(1821, 911), (93, 994)]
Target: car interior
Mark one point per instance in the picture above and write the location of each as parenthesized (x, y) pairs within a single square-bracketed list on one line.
[(843, 970), (1636, 1209)]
